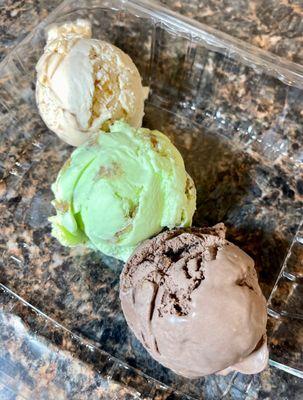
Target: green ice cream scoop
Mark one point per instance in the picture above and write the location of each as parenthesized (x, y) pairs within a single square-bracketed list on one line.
[(120, 188)]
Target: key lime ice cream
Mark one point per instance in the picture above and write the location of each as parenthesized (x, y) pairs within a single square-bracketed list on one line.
[(120, 188), (85, 84)]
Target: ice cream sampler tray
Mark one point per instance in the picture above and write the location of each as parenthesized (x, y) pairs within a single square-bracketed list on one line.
[(235, 114)]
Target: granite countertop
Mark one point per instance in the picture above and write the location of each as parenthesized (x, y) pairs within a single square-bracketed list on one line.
[(45, 358), (274, 25)]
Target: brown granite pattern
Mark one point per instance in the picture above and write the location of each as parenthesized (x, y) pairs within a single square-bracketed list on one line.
[(18, 18), (273, 25), (240, 134), (42, 360)]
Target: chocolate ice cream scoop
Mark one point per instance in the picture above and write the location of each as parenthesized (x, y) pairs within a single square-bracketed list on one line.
[(193, 300)]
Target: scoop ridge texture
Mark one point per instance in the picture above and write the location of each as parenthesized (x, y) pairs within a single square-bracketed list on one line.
[(85, 84), (120, 188), (193, 300)]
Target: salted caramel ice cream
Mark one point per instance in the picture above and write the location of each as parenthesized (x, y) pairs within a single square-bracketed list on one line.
[(85, 84)]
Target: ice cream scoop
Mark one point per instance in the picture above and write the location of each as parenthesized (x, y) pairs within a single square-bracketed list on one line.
[(120, 188), (193, 300), (84, 84)]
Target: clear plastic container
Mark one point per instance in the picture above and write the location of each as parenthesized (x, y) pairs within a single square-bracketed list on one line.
[(235, 113)]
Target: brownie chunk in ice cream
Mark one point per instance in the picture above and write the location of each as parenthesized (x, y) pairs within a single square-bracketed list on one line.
[(193, 300)]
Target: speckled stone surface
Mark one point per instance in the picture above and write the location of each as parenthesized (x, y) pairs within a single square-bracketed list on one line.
[(41, 360), (18, 18), (242, 143), (274, 25)]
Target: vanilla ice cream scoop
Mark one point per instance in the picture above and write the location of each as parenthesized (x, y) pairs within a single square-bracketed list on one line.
[(84, 84)]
